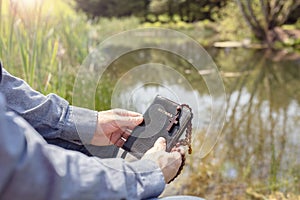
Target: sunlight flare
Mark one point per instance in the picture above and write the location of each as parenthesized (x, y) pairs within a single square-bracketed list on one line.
[(28, 3)]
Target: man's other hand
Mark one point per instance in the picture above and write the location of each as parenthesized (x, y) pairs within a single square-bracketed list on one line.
[(169, 163)]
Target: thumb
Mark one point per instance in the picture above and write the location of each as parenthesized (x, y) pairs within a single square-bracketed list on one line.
[(160, 144), (122, 112)]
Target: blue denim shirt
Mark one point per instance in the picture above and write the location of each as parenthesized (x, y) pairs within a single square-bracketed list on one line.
[(50, 115), (33, 169)]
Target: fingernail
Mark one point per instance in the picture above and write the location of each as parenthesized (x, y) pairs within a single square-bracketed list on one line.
[(161, 140), (137, 119)]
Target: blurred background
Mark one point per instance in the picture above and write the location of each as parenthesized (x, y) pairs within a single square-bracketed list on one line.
[(254, 43)]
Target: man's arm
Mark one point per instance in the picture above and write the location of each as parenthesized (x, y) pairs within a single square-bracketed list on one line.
[(50, 115), (32, 169)]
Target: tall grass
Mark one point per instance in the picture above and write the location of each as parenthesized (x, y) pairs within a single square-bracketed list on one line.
[(45, 42), (32, 44)]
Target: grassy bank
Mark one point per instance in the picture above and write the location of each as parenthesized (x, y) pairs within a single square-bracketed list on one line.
[(45, 43)]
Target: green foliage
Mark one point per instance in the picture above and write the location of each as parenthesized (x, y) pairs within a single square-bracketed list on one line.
[(233, 20), (228, 27), (159, 6), (188, 10), (45, 45), (112, 8), (197, 10), (263, 16), (33, 44)]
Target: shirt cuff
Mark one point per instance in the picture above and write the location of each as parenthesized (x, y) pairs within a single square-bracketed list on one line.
[(80, 125), (151, 177)]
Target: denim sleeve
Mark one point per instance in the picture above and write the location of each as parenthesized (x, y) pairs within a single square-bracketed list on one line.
[(50, 115), (33, 169)]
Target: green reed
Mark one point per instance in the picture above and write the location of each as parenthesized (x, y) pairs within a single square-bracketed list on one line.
[(45, 43)]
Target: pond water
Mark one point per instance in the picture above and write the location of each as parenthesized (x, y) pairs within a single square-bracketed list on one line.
[(258, 150)]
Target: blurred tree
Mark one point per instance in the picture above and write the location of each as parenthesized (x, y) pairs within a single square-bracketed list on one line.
[(169, 7), (294, 16), (188, 10), (196, 10), (264, 16), (113, 8), (158, 7)]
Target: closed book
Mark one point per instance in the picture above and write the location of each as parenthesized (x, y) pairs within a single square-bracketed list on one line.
[(163, 118)]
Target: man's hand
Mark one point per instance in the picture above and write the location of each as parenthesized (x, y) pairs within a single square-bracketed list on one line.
[(169, 163), (114, 127)]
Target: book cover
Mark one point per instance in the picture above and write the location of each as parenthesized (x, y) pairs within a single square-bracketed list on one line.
[(163, 118)]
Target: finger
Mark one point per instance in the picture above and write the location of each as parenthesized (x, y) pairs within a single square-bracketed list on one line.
[(126, 113), (160, 144), (126, 134), (120, 142), (129, 122), (174, 149), (115, 136), (180, 150), (126, 129)]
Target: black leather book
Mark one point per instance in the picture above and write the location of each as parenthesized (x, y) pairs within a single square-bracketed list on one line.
[(163, 118)]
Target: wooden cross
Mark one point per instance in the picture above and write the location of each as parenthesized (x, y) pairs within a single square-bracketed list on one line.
[(173, 121)]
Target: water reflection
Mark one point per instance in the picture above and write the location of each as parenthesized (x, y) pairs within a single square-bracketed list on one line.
[(259, 149), (135, 93)]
